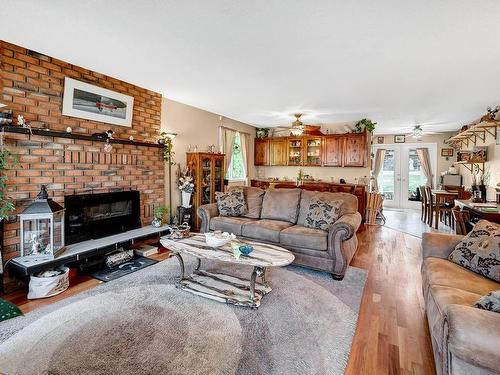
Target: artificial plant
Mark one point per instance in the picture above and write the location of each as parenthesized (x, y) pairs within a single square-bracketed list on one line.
[(365, 124), (161, 212), (168, 153), (6, 204)]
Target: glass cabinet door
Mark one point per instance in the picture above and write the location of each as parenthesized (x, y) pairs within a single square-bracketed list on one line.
[(218, 181), (295, 151), (206, 180), (313, 151)]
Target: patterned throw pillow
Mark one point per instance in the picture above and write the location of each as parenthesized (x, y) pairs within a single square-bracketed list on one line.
[(479, 251), (490, 302), (322, 214), (231, 203)]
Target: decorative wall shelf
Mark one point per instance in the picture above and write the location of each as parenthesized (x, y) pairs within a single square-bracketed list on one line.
[(476, 132), (470, 165), (85, 137)]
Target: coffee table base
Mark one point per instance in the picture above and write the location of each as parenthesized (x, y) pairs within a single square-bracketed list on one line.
[(225, 288)]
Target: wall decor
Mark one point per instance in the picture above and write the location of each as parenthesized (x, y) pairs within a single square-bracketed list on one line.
[(380, 140), (399, 138), (91, 102), (447, 152)]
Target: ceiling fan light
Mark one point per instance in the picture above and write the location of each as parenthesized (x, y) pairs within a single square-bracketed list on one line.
[(297, 131)]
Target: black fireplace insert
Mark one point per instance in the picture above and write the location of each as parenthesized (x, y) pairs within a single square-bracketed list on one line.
[(91, 216)]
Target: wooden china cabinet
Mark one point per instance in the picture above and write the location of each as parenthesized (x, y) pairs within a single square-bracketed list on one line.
[(208, 174)]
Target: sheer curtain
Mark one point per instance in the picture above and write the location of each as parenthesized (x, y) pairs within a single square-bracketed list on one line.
[(228, 136), (378, 163), (425, 163), (244, 139)]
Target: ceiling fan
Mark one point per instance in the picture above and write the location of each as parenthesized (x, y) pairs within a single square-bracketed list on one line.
[(417, 131), (297, 128)]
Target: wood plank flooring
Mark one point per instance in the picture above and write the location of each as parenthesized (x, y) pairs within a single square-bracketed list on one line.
[(392, 335)]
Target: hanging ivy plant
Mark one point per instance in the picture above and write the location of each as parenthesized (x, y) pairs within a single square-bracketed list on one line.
[(6, 204), (168, 153)]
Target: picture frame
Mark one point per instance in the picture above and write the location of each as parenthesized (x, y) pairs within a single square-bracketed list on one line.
[(90, 102), (447, 152), (380, 140), (401, 138)]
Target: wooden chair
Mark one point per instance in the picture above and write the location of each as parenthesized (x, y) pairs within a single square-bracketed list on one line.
[(425, 203), (444, 211), (462, 221)]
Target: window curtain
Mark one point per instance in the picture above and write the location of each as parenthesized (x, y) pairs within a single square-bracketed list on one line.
[(228, 143), (425, 163), (244, 139), (378, 163)]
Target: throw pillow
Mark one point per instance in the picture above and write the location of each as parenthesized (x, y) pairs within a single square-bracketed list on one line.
[(253, 199), (321, 214), (231, 203), (479, 251), (490, 302)]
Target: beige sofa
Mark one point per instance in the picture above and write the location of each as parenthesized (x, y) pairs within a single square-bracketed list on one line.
[(465, 339), (280, 220)]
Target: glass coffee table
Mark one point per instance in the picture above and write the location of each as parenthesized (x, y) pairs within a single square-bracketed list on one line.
[(220, 286)]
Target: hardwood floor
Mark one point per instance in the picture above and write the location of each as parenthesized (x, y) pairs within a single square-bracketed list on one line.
[(392, 335)]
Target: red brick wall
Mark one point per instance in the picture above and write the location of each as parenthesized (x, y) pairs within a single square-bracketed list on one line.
[(32, 85)]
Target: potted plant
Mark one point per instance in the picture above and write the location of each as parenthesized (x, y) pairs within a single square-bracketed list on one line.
[(480, 181), (262, 133), (363, 124), (6, 204), (186, 186), (160, 215)]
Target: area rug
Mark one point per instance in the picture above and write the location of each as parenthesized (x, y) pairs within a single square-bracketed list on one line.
[(143, 324)]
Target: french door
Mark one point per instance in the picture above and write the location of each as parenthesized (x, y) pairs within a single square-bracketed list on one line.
[(402, 173)]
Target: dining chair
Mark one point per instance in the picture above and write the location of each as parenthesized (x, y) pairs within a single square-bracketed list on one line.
[(462, 221), (444, 210), (424, 203)]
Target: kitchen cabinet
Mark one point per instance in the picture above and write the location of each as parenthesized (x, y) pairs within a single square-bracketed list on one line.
[(312, 151), (355, 150), (261, 155), (333, 150), (295, 151), (208, 174), (278, 151)]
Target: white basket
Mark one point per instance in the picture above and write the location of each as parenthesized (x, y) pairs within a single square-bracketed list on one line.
[(42, 287)]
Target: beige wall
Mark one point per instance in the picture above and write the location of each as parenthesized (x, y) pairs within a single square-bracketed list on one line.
[(195, 126)]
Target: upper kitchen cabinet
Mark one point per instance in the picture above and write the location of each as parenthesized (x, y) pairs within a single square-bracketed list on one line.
[(312, 151), (261, 151), (278, 151), (355, 150), (333, 150)]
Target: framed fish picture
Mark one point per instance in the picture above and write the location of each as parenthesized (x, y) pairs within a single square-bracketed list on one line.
[(91, 102)]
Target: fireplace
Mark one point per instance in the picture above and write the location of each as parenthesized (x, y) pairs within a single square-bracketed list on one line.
[(91, 216)]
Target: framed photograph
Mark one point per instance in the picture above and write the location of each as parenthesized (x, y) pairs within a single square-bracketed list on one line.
[(447, 152), (380, 140), (399, 138), (90, 102)]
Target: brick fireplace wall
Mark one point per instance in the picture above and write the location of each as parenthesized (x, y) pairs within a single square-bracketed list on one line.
[(32, 85)]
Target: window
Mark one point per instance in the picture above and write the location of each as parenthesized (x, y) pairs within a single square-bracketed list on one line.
[(236, 170)]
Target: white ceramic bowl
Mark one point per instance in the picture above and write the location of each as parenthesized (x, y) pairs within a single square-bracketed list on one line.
[(218, 239)]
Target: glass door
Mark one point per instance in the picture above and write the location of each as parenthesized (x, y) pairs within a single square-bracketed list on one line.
[(294, 151), (218, 182), (313, 151), (402, 173), (206, 180)]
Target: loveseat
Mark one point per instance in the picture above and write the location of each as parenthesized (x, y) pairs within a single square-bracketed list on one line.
[(465, 339), (278, 216)]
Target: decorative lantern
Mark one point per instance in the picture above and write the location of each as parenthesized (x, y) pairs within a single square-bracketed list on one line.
[(42, 227)]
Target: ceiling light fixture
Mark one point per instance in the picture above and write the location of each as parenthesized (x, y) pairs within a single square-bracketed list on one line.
[(297, 126), (417, 132)]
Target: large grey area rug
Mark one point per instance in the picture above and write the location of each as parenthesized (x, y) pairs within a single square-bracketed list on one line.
[(143, 324)]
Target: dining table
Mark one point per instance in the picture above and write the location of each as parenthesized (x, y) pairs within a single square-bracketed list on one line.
[(488, 211), (440, 196)]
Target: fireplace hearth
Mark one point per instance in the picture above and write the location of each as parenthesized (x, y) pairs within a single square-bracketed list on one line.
[(92, 216)]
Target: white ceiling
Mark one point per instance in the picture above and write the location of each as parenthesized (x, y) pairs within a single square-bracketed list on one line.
[(398, 62)]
